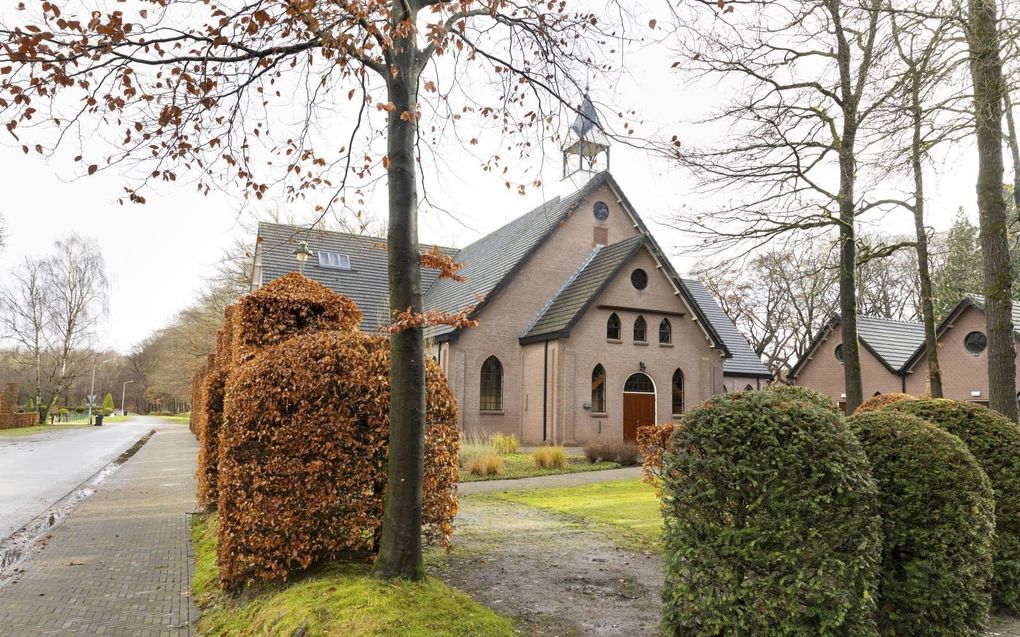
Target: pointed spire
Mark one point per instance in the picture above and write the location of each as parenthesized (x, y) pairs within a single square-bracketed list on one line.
[(587, 119), (586, 136)]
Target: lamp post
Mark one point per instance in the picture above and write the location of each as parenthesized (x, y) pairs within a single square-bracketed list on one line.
[(301, 254), (123, 393), (92, 389)]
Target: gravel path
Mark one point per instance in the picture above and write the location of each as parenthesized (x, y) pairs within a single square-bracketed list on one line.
[(555, 576)]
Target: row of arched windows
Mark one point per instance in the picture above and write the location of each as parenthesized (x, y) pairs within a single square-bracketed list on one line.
[(640, 329), (635, 383), (491, 389)]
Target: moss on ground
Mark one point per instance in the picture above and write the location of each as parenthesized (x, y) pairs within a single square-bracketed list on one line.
[(522, 465), (628, 510), (337, 599)]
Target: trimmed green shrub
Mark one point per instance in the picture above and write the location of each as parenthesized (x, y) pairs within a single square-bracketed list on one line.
[(995, 442), (771, 524), (804, 395), (938, 527)]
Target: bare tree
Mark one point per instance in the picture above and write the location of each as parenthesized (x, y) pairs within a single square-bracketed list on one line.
[(51, 310), (807, 76)]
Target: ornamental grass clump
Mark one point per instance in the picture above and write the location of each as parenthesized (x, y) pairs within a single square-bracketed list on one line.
[(302, 465), (503, 444), (804, 395), (995, 442), (938, 526), (771, 524), (554, 457), (486, 464), (881, 400)]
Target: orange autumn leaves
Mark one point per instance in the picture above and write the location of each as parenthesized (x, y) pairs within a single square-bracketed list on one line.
[(300, 466)]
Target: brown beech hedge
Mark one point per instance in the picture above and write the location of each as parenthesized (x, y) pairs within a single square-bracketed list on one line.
[(881, 400), (302, 465), (286, 307), (208, 435), (197, 396)]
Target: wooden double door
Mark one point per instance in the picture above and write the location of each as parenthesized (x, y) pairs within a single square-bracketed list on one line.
[(638, 411)]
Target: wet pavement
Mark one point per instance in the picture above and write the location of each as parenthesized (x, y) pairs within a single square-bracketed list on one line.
[(38, 470)]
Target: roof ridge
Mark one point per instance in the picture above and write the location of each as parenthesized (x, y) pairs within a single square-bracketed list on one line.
[(889, 320), (552, 299)]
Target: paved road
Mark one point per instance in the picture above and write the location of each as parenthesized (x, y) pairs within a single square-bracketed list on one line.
[(39, 469), (120, 564)]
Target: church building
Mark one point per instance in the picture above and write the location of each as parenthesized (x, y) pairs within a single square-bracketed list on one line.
[(585, 330)]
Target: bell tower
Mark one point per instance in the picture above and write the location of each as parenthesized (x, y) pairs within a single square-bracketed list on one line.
[(586, 149)]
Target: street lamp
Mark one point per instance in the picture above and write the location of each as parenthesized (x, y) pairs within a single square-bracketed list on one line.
[(92, 390), (123, 393), (301, 254)]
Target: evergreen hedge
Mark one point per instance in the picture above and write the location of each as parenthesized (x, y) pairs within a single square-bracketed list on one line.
[(771, 524), (938, 526), (995, 442), (803, 394)]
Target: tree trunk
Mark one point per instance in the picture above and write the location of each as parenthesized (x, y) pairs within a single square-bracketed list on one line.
[(986, 72), (921, 237), (1014, 147), (400, 541)]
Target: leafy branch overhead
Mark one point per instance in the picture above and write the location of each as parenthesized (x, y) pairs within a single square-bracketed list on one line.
[(286, 92)]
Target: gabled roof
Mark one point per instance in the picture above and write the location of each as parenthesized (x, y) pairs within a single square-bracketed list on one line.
[(365, 283), (569, 304), (743, 361), (491, 262), (975, 301), (892, 342)]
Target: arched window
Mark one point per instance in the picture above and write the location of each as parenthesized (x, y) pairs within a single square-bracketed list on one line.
[(613, 327), (639, 383), (640, 330), (598, 390), (748, 387), (665, 331), (492, 385), (678, 392)]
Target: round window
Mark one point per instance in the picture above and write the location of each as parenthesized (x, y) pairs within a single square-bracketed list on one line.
[(600, 210), (975, 342), (839, 352), (639, 279)]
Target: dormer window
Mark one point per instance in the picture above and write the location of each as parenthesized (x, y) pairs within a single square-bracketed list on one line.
[(334, 260)]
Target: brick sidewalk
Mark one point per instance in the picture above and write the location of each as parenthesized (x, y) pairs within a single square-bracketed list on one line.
[(120, 564)]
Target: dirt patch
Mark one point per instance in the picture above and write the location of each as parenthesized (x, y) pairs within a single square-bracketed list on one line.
[(554, 576)]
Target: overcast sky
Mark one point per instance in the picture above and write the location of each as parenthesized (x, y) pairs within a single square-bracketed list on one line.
[(158, 254)]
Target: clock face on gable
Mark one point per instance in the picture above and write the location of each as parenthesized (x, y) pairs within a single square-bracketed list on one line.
[(600, 210)]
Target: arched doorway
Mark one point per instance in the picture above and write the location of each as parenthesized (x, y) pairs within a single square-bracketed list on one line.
[(638, 404)]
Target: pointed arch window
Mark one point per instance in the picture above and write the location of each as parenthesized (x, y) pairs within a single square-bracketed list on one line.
[(665, 332), (613, 327), (598, 390), (678, 392), (640, 330), (491, 398)]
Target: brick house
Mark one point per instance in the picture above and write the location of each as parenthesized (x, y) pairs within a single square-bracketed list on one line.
[(893, 358), (585, 329)]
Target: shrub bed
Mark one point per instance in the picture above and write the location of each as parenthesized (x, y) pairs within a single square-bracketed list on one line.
[(878, 402), (622, 453), (302, 455), (771, 524), (803, 394), (938, 526), (995, 442)]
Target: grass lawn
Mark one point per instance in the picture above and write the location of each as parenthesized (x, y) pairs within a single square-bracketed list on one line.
[(522, 465), (627, 509), (184, 419), (334, 600), (37, 429)]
